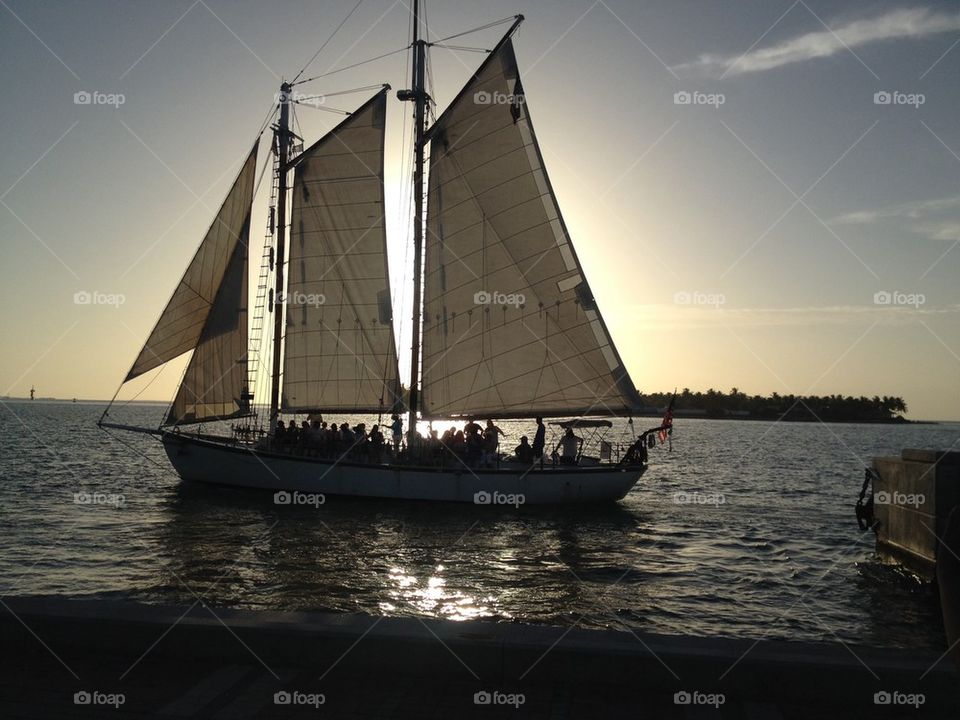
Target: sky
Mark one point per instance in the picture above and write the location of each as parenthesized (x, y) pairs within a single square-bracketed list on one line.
[(763, 194)]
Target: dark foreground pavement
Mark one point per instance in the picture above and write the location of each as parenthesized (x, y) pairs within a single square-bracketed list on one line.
[(95, 659)]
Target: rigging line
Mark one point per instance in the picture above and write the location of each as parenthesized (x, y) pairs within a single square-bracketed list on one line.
[(116, 437), (336, 111), (461, 47), (478, 29), (342, 92), (348, 67), (142, 390), (327, 41), (274, 108)]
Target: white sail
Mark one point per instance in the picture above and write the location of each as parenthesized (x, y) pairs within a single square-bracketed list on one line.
[(510, 326), (208, 314), (339, 350)]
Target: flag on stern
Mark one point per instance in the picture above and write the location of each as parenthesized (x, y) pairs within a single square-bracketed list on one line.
[(666, 427)]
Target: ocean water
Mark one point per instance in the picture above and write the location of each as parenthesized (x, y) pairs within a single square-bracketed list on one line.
[(745, 529)]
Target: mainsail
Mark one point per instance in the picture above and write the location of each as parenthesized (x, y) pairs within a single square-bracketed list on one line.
[(339, 352), (208, 314), (510, 327)]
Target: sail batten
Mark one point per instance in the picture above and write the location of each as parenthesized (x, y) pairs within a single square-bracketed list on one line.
[(339, 347), (510, 326)]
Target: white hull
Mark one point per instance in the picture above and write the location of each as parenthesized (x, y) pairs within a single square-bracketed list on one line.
[(206, 461)]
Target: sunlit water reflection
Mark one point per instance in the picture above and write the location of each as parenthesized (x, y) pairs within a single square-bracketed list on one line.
[(780, 556)]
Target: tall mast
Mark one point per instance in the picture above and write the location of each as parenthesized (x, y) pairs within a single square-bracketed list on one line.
[(418, 95), (282, 138)]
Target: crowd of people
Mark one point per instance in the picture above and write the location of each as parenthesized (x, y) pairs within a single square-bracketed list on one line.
[(474, 446)]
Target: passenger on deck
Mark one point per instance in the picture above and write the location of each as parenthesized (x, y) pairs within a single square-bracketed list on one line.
[(491, 443), (447, 437), (376, 444), (332, 445), (346, 438), (539, 441), (306, 437), (474, 444), (434, 448), (569, 448), (360, 441), (396, 428), (280, 435), (459, 445), (414, 446), (523, 452)]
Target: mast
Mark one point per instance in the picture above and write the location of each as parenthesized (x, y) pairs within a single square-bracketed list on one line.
[(418, 95), (282, 135)]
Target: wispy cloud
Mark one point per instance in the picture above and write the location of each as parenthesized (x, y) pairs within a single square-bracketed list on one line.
[(894, 25), (913, 210), (934, 219)]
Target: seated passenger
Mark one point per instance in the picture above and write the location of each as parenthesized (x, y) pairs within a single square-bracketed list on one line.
[(524, 452)]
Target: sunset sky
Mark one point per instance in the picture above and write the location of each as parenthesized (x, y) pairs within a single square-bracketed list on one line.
[(763, 194)]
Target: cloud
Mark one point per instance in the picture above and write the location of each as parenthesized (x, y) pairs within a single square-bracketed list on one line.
[(894, 25), (931, 219), (909, 210)]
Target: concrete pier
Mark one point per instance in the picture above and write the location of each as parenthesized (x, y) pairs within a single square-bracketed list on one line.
[(912, 498), (74, 658)]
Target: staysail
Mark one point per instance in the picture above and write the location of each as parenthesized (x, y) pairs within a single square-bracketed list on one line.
[(339, 350), (510, 328), (208, 314)]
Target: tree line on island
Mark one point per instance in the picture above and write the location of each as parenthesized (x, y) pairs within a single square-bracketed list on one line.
[(829, 408)]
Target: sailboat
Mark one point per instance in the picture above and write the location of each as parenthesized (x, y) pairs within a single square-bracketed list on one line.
[(504, 322)]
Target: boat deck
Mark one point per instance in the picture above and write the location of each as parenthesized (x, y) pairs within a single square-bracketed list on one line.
[(218, 663)]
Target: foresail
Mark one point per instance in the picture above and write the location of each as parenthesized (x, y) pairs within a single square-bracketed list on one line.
[(182, 322), (339, 351), (510, 327), (215, 384)]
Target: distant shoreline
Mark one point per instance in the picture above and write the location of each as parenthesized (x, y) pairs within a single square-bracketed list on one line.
[(678, 415)]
